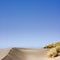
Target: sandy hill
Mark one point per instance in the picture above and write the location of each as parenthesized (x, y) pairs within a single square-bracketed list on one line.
[(25, 54)]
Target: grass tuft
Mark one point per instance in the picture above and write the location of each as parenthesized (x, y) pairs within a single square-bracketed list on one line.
[(54, 49)]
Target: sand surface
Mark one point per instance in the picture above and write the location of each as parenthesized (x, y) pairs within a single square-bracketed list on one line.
[(25, 54)]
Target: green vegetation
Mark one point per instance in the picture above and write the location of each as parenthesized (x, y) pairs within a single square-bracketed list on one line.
[(54, 49)]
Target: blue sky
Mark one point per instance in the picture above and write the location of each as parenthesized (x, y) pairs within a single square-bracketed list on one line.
[(29, 23)]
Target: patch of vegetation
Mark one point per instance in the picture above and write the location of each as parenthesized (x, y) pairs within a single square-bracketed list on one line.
[(52, 45), (54, 49)]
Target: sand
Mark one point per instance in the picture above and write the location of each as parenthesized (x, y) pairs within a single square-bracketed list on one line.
[(25, 54)]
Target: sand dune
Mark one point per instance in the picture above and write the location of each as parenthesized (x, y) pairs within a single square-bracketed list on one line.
[(25, 54)]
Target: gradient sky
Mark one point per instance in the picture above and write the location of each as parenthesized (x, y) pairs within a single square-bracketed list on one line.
[(29, 23)]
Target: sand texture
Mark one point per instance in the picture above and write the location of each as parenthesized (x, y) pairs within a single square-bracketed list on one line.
[(25, 54)]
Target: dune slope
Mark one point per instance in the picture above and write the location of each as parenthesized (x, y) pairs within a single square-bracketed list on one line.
[(25, 54)]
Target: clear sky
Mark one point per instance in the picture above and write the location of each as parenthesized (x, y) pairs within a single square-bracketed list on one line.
[(29, 23)]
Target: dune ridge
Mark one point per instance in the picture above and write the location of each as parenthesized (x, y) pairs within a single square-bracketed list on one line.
[(25, 54)]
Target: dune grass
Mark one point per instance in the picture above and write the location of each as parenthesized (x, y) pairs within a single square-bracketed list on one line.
[(52, 45), (54, 49)]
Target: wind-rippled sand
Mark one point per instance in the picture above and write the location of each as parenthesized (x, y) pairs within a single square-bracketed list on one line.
[(25, 54)]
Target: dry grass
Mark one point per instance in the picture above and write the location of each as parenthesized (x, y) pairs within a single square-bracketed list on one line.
[(52, 52), (54, 49), (52, 45)]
